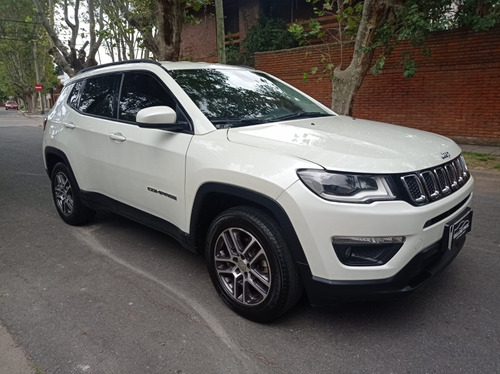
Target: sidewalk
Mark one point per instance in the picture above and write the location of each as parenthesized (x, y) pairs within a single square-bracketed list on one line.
[(13, 360), (487, 149)]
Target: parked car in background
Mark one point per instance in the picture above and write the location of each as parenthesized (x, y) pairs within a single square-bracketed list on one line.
[(11, 105), (281, 194)]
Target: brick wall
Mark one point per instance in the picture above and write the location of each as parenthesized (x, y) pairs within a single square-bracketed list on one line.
[(455, 92), (198, 41), (248, 13)]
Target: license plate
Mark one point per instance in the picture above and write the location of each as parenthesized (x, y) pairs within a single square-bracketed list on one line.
[(456, 230)]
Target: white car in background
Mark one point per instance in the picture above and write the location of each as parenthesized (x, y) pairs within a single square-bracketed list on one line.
[(281, 194)]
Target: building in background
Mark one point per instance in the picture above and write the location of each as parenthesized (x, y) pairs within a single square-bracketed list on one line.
[(199, 41)]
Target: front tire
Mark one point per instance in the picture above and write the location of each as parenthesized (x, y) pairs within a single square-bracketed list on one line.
[(66, 198), (250, 264)]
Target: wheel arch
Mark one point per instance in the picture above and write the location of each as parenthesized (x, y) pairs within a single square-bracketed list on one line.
[(52, 157), (212, 198)]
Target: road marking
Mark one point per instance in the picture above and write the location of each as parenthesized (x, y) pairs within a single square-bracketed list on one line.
[(86, 236)]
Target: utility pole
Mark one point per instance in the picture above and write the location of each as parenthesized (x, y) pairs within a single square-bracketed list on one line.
[(37, 72), (221, 35)]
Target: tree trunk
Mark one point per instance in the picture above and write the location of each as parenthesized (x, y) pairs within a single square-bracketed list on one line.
[(220, 34), (95, 41), (58, 50), (170, 20), (346, 83)]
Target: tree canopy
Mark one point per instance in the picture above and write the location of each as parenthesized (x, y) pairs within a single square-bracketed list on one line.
[(78, 28), (22, 44)]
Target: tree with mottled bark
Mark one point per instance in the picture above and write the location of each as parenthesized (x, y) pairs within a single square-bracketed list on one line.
[(346, 82), (160, 24), (70, 57)]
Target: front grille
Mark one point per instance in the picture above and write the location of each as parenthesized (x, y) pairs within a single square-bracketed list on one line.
[(433, 184)]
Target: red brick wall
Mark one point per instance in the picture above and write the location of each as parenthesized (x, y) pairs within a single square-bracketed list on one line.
[(198, 41), (455, 92), (249, 13)]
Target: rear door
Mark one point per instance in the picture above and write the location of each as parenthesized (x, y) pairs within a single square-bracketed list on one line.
[(92, 105)]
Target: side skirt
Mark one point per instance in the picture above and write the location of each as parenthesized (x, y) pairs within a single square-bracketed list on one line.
[(98, 201)]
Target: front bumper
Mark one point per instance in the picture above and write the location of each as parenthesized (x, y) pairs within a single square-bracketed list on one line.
[(424, 253), (419, 271)]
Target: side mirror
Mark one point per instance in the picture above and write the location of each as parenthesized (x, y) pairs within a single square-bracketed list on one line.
[(158, 117)]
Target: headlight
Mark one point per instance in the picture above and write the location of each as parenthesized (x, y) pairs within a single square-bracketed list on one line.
[(349, 188)]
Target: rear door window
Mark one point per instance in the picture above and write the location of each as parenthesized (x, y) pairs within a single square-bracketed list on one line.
[(99, 96), (75, 95)]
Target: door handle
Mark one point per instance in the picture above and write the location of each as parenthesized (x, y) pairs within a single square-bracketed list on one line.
[(118, 137), (69, 125)]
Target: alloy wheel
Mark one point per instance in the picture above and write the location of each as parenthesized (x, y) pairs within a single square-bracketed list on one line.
[(242, 266), (63, 194)]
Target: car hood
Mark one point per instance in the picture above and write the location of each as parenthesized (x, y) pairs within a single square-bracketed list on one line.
[(346, 144)]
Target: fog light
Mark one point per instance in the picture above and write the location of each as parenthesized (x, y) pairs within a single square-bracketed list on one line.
[(367, 251)]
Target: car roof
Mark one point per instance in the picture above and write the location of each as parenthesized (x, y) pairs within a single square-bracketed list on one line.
[(167, 65), (188, 65)]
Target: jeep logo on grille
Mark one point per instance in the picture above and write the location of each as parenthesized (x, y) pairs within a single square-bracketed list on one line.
[(445, 155)]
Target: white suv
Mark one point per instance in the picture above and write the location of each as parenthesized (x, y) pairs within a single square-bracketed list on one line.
[(281, 194)]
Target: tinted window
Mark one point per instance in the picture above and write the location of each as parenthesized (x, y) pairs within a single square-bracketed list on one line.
[(75, 94), (98, 96), (141, 91), (225, 95)]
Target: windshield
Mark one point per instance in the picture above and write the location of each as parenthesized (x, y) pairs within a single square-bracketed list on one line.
[(240, 97)]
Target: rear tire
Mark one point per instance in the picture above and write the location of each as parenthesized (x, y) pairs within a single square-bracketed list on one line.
[(65, 194), (250, 264)]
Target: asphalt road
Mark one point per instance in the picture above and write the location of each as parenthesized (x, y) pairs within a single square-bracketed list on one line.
[(117, 297)]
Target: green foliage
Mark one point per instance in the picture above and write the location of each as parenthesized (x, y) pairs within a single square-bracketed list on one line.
[(315, 30), (192, 8), (376, 69), (409, 65), (412, 21), (478, 15), (18, 34), (234, 56), (418, 18), (6, 89), (482, 161), (349, 15), (270, 34)]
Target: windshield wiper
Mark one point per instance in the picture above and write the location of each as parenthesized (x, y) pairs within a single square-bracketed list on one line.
[(237, 122), (233, 122), (300, 115)]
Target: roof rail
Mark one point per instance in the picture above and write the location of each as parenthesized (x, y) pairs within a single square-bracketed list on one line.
[(90, 68)]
